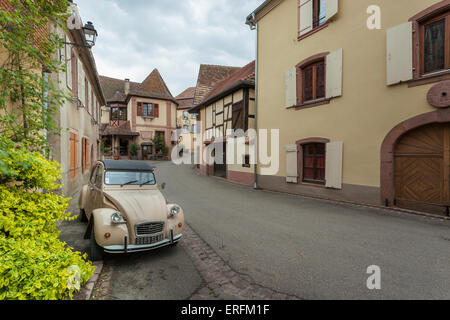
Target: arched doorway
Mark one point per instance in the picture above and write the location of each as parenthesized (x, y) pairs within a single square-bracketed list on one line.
[(422, 163), (415, 163)]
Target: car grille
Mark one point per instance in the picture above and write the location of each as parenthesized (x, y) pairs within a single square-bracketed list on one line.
[(149, 240), (150, 228)]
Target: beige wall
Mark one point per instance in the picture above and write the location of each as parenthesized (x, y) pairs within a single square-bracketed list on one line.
[(368, 108), (82, 121)]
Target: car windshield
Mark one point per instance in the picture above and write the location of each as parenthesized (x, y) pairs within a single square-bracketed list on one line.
[(129, 178)]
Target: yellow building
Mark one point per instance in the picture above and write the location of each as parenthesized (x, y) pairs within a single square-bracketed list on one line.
[(186, 122), (360, 93)]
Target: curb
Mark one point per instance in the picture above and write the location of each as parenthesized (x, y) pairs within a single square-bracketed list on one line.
[(86, 292)]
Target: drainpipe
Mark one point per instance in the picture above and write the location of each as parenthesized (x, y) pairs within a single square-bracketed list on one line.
[(254, 26)]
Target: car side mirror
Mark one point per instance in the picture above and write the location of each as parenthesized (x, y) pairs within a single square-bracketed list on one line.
[(163, 185)]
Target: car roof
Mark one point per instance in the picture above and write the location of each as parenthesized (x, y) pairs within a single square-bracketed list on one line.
[(126, 165)]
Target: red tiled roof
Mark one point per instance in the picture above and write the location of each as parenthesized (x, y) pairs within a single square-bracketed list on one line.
[(153, 87), (123, 130), (208, 76), (112, 87), (189, 93), (245, 73), (186, 98), (154, 84)]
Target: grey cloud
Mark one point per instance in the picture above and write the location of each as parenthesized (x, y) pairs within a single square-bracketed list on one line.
[(175, 36)]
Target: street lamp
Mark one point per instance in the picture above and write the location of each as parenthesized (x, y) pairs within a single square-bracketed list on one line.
[(90, 34)]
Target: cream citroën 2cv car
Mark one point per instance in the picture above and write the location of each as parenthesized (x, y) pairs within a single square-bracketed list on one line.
[(126, 210)]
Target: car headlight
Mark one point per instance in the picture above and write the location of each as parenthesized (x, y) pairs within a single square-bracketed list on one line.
[(117, 218), (174, 211)]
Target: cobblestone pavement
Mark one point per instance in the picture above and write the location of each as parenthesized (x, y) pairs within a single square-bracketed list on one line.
[(222, 282)]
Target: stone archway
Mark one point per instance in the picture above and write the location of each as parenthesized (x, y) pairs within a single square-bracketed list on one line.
[(387, 183)]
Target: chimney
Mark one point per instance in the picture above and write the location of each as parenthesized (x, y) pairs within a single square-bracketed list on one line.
[(127, 86)]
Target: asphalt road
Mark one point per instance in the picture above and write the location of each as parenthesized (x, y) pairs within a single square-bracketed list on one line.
[(310, 248), (307, 248)]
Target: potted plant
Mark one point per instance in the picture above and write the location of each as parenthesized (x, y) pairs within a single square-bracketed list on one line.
[(106, 151), (160, 146), (134, 149)]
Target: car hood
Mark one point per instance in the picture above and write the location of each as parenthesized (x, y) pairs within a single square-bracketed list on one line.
[(139, 206)]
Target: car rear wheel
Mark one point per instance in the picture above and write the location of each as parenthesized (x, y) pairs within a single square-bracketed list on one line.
[(96, 252), (83, 217)]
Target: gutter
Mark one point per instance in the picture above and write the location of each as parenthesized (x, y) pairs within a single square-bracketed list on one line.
[(254, 26), (251, 18)]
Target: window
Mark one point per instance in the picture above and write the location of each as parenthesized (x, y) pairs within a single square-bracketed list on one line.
[(194, 116), (246, 163), (313, 82), (186, 115), (314, 163), (94, 175), (319, 13), (85, 150), (313, 15), (118, 114), (185, 129), (73, 155), (435, 44), (147, 110), (129, 178), (150, 110)]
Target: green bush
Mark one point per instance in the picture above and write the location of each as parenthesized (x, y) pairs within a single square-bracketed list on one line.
[(34, 263)]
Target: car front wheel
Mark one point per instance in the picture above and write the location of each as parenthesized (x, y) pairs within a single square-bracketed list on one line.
[(96, 252)]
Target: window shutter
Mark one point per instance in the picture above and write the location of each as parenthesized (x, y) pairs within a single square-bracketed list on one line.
[(291, 87), (332, 8), (333, 167), (305, 16), (399, 53), (156, 110), (75, 154), (291, 163), (86, 140), (334, 74), (72, 155), (140, 111)]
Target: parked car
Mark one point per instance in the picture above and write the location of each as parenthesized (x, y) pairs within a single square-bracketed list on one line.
[(126, 210)]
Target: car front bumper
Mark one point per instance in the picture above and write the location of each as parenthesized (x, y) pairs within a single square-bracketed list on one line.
[(139, 248)]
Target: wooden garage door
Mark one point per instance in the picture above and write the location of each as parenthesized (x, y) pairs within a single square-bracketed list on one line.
[(422, 163)]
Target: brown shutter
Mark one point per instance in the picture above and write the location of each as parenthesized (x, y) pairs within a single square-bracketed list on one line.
[(76, 155), (72, 155), (156, 110), (83, 154), (320, 78), (308, 93), (86, 161), (140, 112)]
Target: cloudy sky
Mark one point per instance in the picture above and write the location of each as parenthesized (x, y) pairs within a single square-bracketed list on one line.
[(174, 36)]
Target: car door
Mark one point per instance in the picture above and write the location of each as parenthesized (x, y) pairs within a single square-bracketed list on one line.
[(90, 196), (97, 200)]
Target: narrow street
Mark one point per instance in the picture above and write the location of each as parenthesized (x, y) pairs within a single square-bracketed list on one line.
[(278, 246)]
